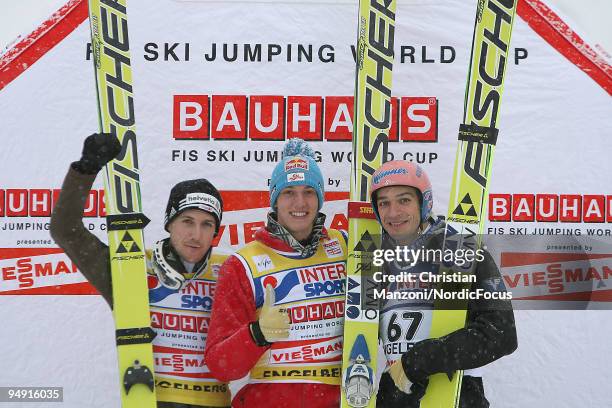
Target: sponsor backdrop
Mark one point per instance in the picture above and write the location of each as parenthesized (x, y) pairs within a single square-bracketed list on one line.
[(218, 89)]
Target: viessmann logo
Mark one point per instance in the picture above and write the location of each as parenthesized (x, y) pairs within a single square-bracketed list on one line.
[(263, 117), (25, 202), (28, 268), (325, 350), (558, 276), (588, 208)]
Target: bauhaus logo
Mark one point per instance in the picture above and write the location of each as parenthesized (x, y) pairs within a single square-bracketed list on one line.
[(275, 117), (39, 202), (588, 208)]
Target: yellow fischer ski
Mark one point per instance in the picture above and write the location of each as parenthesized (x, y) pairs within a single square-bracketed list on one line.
[(472, 172), (372, 120), (125, 221)]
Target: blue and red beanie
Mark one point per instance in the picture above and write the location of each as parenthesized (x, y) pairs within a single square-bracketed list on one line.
[(298, 168)]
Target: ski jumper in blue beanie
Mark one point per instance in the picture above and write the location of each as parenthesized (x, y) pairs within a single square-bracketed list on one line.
[(298, 168)]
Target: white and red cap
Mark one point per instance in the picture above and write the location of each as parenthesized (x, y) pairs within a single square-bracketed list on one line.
[(403, 173)]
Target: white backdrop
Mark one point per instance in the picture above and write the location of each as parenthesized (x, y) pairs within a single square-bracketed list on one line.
[(554, 139)]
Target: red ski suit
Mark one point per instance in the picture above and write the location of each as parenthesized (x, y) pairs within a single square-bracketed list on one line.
[(231, 351)]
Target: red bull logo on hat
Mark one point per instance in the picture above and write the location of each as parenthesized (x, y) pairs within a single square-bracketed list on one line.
[(296, 163)]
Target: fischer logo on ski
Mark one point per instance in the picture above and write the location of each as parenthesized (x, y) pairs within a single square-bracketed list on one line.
[(125, 221), (472, 171)]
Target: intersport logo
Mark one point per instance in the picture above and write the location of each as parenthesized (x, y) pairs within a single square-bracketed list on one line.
[(587, 208), (39, 202), (275, 117)]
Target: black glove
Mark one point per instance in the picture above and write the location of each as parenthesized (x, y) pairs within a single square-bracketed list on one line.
[(98, 149)]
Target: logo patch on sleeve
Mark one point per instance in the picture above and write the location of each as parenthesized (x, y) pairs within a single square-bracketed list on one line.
[(263, 263), (332, 248)]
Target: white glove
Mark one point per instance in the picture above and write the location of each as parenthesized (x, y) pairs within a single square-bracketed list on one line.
[(399, 377), (273, 320)]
